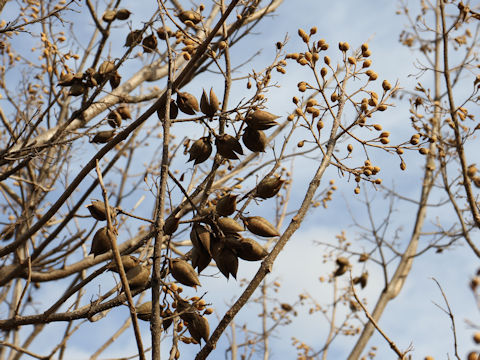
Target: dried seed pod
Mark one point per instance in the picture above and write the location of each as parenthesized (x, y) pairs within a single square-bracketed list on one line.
[(101, 242), (109, 15), (149, 43), (198, 328), (226, 205), (209, 107), (225, 258), (114, 119), (171, 225), (363, 257), (268, 188), (340, 271), (342, 261), (124, 112), (103, 137), (7, 232), (261, 120), (187, 103), (133, 38), (167, 319), (67, 80), (200, 150), (106, 68), (138, 276), (98, 211), (144, 311), (363, 279), (128, 261), (115, 80), (229, 226), (122, 14), (246, 249), (77, 90), (254, 140), (200, 237), (471, 171), (163, 32), (173, 111), (200, 259), (259, 226), (228, 146), (189, 15), (184, 273)]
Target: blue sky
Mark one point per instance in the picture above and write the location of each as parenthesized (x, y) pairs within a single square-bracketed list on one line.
[(412, 318)]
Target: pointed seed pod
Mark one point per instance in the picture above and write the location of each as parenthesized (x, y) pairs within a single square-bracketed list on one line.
[(149, 43), (268, 188), (246, 249), (200, 259), (109, 15), (106, 67), (199, 328), (122, 14), (184, 273), (138, 276), (342, 261), (144, 311), (76, 90), (115, 80), (259, 226), (254, 140), (171, 225), (101, 242), (133, 38), (228, 146), (189, 15), (363, 257), (173, 111), (363, 279), (128, 262), (229, 225), (98, 211), (163, 32), (187, 103), (7, 232), (209, 107), (124, 112), (200, 150), (114, 119), (261, 120), (226, 260), (66, 80), (200, 237), (226, 205), (103, 137)]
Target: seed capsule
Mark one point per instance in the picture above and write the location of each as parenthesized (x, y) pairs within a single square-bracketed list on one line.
[(184, 273), (77, 90), (109, 15), (163, 32), (124, 112), (190, 15), (226, 205), (98, 211), (133, 38), (187, 103), (200, 259), (209, 107), (260, 226), (122, 14), (106, 67), (103, 137), (200, 237), (149, 43), (171, 225), (261, 120), (200, 150), (254, 140), (246, 249), (268, 188), (128, 261), (173, 111), (225, 258), (101, 242), (115, 80), (114, 119), (229, 225), (228, 146), (144, 311), (138, 276)]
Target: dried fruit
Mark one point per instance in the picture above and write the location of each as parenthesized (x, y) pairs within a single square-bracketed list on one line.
[(209, 107), (109, 15), (77, 90), (124, 112), (225, 258), (67, 80), (163, 32), (101, 242), (98, 211), (268, 188), (189, 15), (106, 68), (133, 38), (187, 103), (226, 205), (246, 249), (261, 120), (259, 226), (173, 111), (144, 311), (114, 119), (228, 146), (184, 273), (254, 140), (171, 225), (200, 237), (138, 276), (200, 150), (7, 232), (363, 257), (114, 80), (149, 43), (122, 14), (128, 261), (229, 225), (200, 259), (286, 307), (103, 137)]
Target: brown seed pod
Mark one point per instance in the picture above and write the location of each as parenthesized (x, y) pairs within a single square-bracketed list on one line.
[(286, 307), (167, 319), (225, 258), (149, 43), (246, 249), (171, 225), (209, 107), (189, 15), (261, 120), (184, 273), (228, 146), (128, 261), (7, 232), (340, 271), (229, 226), (133, 38), (342, 261), (77, 90), (200, 237), (200, 259), (363, 257), (101, 242), (138, 276), (124, 112), (199, 328), (98, 211), (106, 68), (363, 279), (268, 188), (162, 32), (226, 205), (254, 140), (173, 111), (114, 119), (67, 80), (103, 137), (122, 14), (471, 171), (109, 15), (144, 311), (200, 150), (115, 80), (259, 226), (187, 103)]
